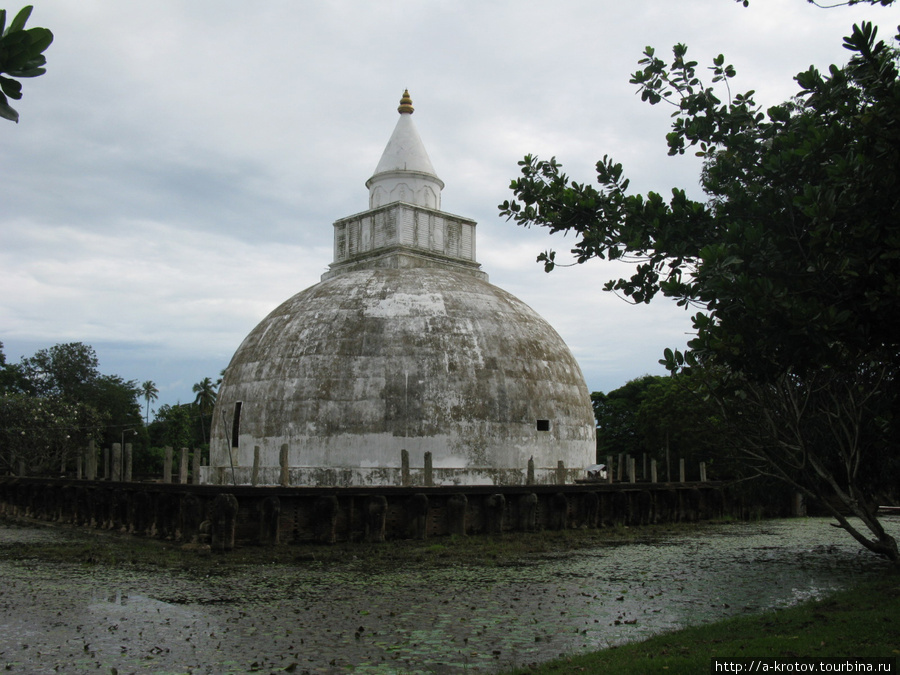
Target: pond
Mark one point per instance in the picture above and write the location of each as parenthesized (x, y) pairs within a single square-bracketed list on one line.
[(351, 617)]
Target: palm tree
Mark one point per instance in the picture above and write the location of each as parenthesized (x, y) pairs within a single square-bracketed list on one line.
[(206, 400), (150, 393)]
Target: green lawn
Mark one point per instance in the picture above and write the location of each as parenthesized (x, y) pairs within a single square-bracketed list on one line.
[(863, 621)]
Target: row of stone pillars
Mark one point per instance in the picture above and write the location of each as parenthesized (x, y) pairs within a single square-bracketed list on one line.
[(118, 463), (626, 465), (405, 476), (626, 470)]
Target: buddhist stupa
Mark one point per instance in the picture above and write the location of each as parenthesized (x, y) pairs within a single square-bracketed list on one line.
[(403, 345)]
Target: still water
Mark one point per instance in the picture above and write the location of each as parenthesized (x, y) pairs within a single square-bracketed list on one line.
[(352, 618)]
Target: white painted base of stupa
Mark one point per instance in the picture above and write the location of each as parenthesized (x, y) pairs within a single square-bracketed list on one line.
[(311, 476)]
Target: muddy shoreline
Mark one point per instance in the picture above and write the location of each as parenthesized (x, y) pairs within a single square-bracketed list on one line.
[(425, 611)]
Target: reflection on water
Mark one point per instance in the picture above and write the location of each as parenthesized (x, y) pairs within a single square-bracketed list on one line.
[(353, 618)]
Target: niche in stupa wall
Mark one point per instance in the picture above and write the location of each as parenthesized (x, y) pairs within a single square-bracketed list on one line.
[(401, 193), (429, 198), (377, 197)]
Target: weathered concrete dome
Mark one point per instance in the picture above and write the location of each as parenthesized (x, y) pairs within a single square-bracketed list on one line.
[(403, 351), (357, 368)]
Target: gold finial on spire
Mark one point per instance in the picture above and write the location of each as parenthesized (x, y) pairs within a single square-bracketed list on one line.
[(405, 104)]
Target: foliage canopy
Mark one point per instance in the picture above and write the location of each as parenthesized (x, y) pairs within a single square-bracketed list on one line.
[(792, 260), (21, 55), (56, 401)]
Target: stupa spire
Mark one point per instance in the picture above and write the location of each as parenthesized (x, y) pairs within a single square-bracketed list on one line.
[(406, 104), (405, 173)]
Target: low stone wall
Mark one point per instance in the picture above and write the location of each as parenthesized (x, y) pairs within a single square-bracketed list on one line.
[(225, 516)]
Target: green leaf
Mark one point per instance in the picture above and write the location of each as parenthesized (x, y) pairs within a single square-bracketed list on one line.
[(41, 38), (15, 43), (21, 18), (11, 88), (6, 112), (30, 72)]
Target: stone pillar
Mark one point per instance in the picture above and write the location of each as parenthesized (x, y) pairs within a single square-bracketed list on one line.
[(417, 510), (561, 472), (91, 461), (609, 469), (195, 468), (429, 472), (117, 461), (456, 514), (495, 508), (78, 472), (619, 464), (702, 472), (105, 463), (191, 510), (631, 477), (254, 477), (21, 468), (681, 470), (559, 511), (404, 467), (653, 477), (529, 479), (183, 466), (223, 521), (270, 521), (285, 467), (644, 467), (129, 462), (589, 509), (167, 465), (325, 511), (376, 517), (528, 506)]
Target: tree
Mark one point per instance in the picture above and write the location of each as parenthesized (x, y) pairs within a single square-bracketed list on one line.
[(150, 393), (793, 261), (117, 401), (677, 421), (21, 55), (44, 434), (46, 414), (71, 373), (618, 430), (667, 419), (68, 370), (63, 388), (205, 402), (10, 376), (175, 423)]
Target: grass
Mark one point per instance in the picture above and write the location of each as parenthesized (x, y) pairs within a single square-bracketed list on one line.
[(861, 622)]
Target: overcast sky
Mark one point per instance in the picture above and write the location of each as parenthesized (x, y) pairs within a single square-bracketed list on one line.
[(175, 174)]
